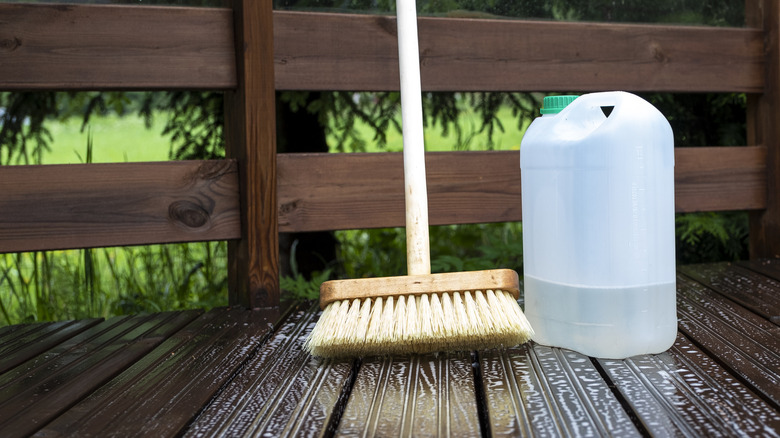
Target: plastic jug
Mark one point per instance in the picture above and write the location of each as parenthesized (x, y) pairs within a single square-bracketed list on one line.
[(597, 176)]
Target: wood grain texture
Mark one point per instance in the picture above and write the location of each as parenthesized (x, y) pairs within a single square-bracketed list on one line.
[(741, 340), (228, 372), (720, 178), (750, 289), (421, 395), (77, 206), (100, 47), (494, 279), (280, 391), (763, 127), (20, 343), (89, 205), (685, 392), (118, 47), (250, 138), (161, 392), (331, 191), (534, 390), (354, 52), (42, 388)]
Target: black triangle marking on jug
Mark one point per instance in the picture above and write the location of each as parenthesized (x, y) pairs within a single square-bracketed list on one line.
[(607, 110)]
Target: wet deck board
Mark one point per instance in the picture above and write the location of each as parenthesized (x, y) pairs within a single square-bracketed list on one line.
[(755, 291), (235, 372), (429, 395), (45, 386), (741, 340), (534, 390), (162, 392), (23, 342), (280, 390), (684, 392)]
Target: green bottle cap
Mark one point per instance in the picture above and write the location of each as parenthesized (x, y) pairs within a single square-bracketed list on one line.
[(554, 104)]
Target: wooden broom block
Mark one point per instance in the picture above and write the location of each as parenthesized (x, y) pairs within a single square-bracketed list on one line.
[(494, 279)]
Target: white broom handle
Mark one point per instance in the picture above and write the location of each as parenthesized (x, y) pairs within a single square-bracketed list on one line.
[(418, 253)]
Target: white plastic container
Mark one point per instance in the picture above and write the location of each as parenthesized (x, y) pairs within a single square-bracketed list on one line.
[(598, 226)]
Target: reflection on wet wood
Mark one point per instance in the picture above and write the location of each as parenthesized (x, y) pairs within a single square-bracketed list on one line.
[(160, 394), (231, 372), (281, 391), (535, 390), (23, 342), (428, 395), (741, 340), (44, 386), (684, 392), (756, 292), (768, 267)]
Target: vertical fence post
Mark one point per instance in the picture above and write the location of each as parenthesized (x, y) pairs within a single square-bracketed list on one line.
[(250, 135), (763, 128)]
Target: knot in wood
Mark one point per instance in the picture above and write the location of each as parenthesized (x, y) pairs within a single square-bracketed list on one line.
[(188, 214), (212, 170), (388, 25), (10, 44), (288, 207), (658, 53)]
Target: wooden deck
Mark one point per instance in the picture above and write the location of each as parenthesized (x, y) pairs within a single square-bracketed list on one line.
[(229, 372)]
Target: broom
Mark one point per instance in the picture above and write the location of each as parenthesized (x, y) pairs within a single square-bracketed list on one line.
[(420, 312)]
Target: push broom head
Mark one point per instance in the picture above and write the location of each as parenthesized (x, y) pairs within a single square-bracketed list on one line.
[(419, 314)]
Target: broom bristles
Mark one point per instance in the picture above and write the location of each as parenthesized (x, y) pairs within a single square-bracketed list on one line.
[(423, 323)]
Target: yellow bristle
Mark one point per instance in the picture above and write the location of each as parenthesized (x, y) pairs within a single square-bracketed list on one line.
[(387, 323), (411, 328), (374, 324), (425, 324), (419, 322)]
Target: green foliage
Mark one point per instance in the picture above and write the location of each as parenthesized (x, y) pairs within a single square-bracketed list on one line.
[(704, 119), (710, 237), (372, 253), (195, 124), (23, 136), (454, 248), (111, 281), (302, 289), (702, 12)]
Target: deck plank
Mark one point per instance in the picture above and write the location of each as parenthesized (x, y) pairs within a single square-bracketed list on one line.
[(752, 290), (684, 392), (428, 395), (742, 341), (536, 390), (23, 342), (280, 391), (229, 372), (161, 393), (39, 390), (767, 267)]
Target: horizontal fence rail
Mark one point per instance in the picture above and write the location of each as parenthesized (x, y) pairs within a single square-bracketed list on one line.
[(349, 52), (344, 191), (146, 47), (89, 205), (115, 47)]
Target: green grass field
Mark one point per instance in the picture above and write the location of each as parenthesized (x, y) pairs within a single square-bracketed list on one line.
[(125, 139), (435, 141), (115, 140)]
